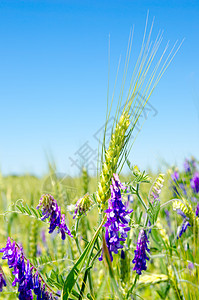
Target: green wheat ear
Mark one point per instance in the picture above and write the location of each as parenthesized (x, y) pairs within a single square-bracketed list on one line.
[(144, 79), (85, 179), (112, 156)]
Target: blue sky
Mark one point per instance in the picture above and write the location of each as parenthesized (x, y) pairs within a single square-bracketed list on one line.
[(54, 75)]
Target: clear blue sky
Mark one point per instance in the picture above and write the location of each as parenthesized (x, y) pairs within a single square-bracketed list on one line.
[(53, 80)]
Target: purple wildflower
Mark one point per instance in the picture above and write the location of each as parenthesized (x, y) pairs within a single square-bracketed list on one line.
[(15, 258), (175, 176), (193, 162), (190, 165), (117, 218), (182, 187), (140, 253), (2, 281), (122, 254), (149, 225), (23, 272), (183, 228), (197, 210), (43, 236), (51, 210), (180, 212), (37, 286), (187, 166), (195, 183), (175, 191), (10, 253), (63, 228), (190, 266)]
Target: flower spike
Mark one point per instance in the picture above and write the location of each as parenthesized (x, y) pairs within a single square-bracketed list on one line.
[(117, 218), (52, 211)]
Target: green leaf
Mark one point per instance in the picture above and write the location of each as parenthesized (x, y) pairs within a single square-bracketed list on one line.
[(132, 287), (20, 208), (111, 272), (34, 212), (75, 272), (75, 294), (156, 238)]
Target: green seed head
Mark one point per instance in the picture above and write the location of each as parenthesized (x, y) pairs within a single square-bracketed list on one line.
[(112, 155)]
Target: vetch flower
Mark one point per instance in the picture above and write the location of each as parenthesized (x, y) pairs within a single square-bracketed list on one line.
[(195, 183), (191, 266), (182, 187), (187, 166), (82, 206), (2, 281), (10, 253), (117, 218), (175, 176), (122, 254), (190, 165), (180, 212), (52, 211), (23, 272), (197, 210), (37, 286), (141, 253), (183, 228)]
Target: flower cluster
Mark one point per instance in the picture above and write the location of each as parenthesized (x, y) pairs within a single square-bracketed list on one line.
[(187, 166), (183, 228), (117, 218), (181, 185), (190, 165), (195, 183), (175, 183), (82, 206), (2, 282), (23, 272), (140, 253), (175, 176), (51, 210)]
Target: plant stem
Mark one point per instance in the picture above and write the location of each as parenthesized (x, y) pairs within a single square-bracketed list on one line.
[(140, 198), (87, 272), (76, 238)]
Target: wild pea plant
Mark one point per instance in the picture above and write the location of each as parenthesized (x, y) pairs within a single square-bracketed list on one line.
[(117, 244)]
